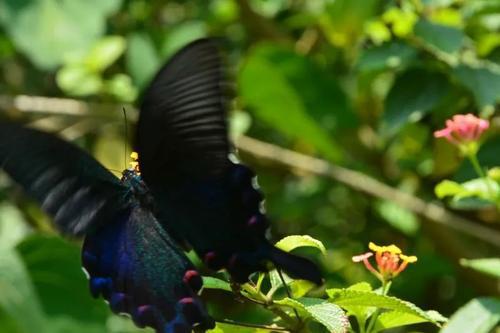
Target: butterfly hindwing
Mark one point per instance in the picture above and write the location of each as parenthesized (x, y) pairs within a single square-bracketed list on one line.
[(201, 195), (139, 270)]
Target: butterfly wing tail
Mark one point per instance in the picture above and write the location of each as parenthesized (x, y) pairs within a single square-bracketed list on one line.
[(295, 266)]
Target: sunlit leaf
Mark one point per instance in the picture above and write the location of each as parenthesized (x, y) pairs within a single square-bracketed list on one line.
[(47, 31), (392, 319), (142, 58), (210, 282), (290, 243), (104, 53), (479, 315), (181, 35), (12, 226), (120, 86), (228, 328), (77, 80), (398, 217), (328, 314), (350, 297), (490, 266)]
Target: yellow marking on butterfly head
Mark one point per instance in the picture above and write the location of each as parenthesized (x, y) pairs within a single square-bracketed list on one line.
[(134, 165)]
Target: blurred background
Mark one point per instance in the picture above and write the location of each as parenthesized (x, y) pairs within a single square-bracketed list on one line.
[(358, 83)]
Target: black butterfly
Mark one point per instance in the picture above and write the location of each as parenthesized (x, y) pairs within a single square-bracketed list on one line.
[(188, 192)]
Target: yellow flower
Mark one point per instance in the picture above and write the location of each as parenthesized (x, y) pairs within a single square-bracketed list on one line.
[(389, 258), (393, 249), (409, 259)]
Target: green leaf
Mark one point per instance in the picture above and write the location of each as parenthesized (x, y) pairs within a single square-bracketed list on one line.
[(142, 59), (13, 226), (482, 81), (104, 53), (298, 288), (389, 55), (54, 266), (447, 188), (360, 312), (489, 266), (328, 314), (210, 282), (181, 35), (48, 31), (239, 124), (361, 286), (414, 94), (19, 299), (120, 86), (227, 328), (325, 101), (265, 89), (443, 37), (398, 217), (479, 315), (290, 243), (77, 80), (392, 319), (479, 188), (349, 297)]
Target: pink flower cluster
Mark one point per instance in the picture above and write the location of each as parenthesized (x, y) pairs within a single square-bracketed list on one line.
[(463, 129)]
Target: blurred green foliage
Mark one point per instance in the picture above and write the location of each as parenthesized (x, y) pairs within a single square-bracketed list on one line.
[(362, 83)]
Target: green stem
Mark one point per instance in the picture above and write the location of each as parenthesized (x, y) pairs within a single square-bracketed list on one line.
[(386, 285), (477, 167), (254, 295)]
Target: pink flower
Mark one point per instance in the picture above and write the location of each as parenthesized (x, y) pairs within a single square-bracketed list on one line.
[(463, 129)]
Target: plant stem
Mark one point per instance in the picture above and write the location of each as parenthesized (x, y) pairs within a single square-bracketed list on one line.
[(480, 172), (254, 295), (386, 285)]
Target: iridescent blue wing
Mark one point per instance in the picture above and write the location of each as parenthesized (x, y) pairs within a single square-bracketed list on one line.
[(130, 258), (134, 264), (69, 184), (201, 195)]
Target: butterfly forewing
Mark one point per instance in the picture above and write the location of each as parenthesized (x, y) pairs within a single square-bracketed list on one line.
[(69, 184), (202, 196), (131, 260), (182, 126)]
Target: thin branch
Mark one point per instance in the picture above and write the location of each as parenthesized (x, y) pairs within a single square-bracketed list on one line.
[(265, 151), (369, 185)]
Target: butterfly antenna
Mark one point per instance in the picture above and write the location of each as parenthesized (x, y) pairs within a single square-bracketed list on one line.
[(288, 293), (126, 137)]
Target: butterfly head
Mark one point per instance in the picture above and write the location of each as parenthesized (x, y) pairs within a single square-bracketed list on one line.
[(131, 177)]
